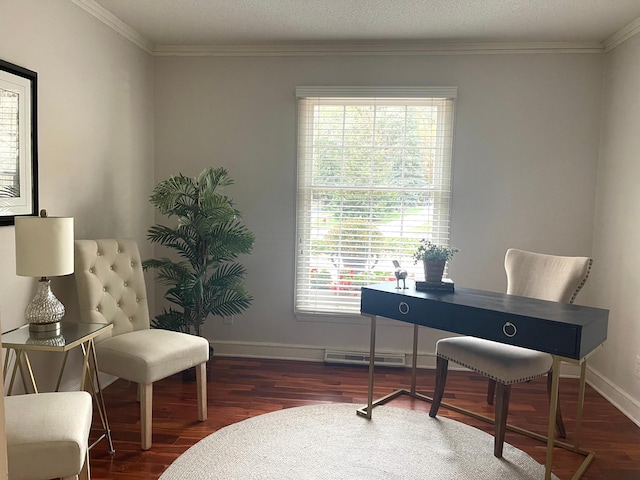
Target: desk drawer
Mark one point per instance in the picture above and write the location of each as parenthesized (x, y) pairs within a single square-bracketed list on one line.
[(541, 335), (406, 309)]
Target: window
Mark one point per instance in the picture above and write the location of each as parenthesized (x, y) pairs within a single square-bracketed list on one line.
[(374, 177)]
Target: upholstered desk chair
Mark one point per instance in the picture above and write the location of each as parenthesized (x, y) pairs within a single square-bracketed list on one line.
[(111, 289), (534, 275), (48, 435)]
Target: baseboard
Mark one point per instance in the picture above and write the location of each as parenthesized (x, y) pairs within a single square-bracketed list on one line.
[(276, 351), (307, 353), (620, 399)]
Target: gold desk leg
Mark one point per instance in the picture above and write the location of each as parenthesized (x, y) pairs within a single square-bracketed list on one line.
[(549, 439), (372, 358), (583, 372), (372, 362), (553, 407), (414, 361)]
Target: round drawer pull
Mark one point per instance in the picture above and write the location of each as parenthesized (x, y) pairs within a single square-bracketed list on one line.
[(403, 307), (509, 329)]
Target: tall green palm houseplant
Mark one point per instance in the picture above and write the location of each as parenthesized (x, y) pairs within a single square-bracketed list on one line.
[(207, 238)]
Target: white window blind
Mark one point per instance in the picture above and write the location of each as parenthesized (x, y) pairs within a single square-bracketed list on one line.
[(374, 177)]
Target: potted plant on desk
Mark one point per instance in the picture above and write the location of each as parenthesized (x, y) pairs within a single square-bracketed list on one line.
[(434, 258)]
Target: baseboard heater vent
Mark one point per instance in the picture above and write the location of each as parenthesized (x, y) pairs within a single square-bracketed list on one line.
[(359, 358)]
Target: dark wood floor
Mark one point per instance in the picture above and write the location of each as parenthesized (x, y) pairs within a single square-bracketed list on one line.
[(243, 388)]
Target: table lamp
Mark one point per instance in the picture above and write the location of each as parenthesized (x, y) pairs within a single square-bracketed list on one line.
[(44, 248)]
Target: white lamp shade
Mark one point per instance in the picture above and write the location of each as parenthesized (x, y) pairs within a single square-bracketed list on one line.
[(44, 246)]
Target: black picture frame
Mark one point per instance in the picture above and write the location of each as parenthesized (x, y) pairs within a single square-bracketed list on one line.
[(20, 200)]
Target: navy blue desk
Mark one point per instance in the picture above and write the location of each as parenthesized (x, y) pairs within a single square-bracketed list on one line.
[(568, 332)]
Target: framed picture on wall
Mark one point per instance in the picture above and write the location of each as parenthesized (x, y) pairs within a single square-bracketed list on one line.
[(18, 142)]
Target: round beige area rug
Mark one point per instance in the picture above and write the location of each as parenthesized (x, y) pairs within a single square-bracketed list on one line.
[(330, 442)]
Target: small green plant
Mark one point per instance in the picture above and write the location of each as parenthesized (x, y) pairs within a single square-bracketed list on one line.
[(430, 251)]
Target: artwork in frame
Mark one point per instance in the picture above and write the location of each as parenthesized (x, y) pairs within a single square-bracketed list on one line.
[(18, 142)]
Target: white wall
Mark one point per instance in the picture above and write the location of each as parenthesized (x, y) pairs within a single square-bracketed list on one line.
[(616, 282), (95, 134), (525, 159)]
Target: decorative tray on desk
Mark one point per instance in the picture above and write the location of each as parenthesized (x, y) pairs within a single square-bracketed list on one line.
[(446, 285)]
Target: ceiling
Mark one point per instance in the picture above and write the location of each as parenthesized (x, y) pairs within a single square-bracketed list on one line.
[(284, 22)]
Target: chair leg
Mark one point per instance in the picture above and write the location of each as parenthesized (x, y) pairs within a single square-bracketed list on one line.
[(503, 394), (201, 385), (560, 430), (491, 391), (441, 380), (146, 408)]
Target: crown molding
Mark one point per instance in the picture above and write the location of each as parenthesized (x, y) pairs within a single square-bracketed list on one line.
[(375, 49), (622, 35), (350, 49), (116, 24)]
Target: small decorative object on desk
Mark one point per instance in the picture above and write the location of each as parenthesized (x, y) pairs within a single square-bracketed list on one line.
[(401, 274), (434, 258), (446, 285)]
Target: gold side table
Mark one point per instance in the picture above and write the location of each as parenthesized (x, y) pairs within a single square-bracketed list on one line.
[(21, 341)]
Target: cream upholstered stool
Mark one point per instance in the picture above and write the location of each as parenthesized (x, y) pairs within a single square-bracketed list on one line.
[(111, 289), (534, 275), (48, 435)]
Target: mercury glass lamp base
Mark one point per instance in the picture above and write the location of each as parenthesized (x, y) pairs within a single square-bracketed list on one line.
[(45, 310)]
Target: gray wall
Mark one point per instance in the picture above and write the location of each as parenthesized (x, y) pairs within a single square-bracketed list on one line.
[(616, 279), (525, 159)]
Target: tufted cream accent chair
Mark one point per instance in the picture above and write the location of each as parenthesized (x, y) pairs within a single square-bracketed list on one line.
[(111, 289), (533, 275)]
